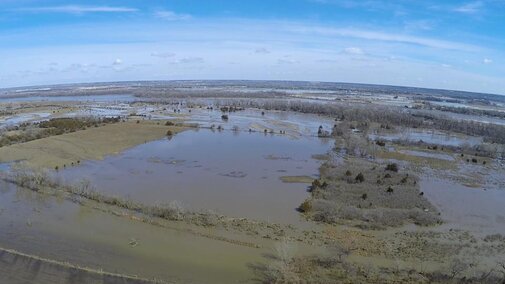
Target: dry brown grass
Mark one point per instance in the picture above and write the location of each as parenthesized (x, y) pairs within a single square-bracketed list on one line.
[(90, 144)]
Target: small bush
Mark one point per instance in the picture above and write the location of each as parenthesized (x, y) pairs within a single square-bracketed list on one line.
[(169, 123), (169, 133), (392, 167), (171, 211), (360, 178), (305, 207), (495, 238), (348, 173)]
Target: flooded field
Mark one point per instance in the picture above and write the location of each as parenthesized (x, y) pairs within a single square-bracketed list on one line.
[(238, 173), (234, 172), (430, 137), (65, 231), (480, 211), (22, 118), (196, 191)]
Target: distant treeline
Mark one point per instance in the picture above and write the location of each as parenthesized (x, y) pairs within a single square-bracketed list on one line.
[(218, 88), (470, 111)]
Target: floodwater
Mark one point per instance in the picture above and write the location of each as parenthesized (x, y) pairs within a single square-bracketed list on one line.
[(102, 109), (294, 124), (233, 173), (5, 167), (474, 209), (429, 136), (55, 228), (22, 118)]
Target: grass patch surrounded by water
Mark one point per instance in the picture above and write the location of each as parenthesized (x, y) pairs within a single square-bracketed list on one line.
[(297, 179), (368, 195), (433, 163), (93, 143)]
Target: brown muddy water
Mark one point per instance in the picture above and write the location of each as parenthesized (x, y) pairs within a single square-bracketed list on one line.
[(233, 173), (64, 231), (473, 209)]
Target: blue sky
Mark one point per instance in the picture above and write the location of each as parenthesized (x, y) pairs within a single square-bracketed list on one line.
[(437, 44)]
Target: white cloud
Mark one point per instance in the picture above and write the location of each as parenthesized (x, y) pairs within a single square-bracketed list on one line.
[(286, 60), (171, 16), (383, 36), (261, 50), (163, 54), (353, 51), (77, 9), (236, 40), (487, 61), (326, 60), (190, 60), (117, 62), (371, 5), (470, 8), (78, 67), (424, 25)]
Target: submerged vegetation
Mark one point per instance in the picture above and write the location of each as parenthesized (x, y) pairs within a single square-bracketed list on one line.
[(390, 116), (41, 181)]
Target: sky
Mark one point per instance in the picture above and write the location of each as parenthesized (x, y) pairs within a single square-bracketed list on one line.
[(452, 44)]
